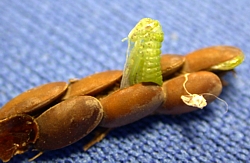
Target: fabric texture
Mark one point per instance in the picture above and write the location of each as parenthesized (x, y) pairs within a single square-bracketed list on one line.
[(50, 41)]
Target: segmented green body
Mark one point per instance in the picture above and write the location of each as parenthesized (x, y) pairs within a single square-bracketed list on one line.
[(143, 54)]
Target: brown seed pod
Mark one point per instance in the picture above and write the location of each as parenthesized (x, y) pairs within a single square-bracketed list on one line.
[(130, 104), (206, 58), (16, 134), (171, 63), (93, 84), (31, 101), (197, 83), (67, 122)]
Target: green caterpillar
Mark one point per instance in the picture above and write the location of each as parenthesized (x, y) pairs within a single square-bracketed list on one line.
[(143, 54)]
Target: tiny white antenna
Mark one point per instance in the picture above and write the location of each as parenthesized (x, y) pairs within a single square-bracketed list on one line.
[(125, 39)]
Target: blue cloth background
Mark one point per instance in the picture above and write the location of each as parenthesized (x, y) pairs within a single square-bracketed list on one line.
[(49, 41)]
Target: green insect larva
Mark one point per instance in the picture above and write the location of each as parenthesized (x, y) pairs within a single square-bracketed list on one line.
[(143, 54)]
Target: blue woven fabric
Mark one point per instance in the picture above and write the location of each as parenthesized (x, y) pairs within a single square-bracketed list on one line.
[(49, 41)]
